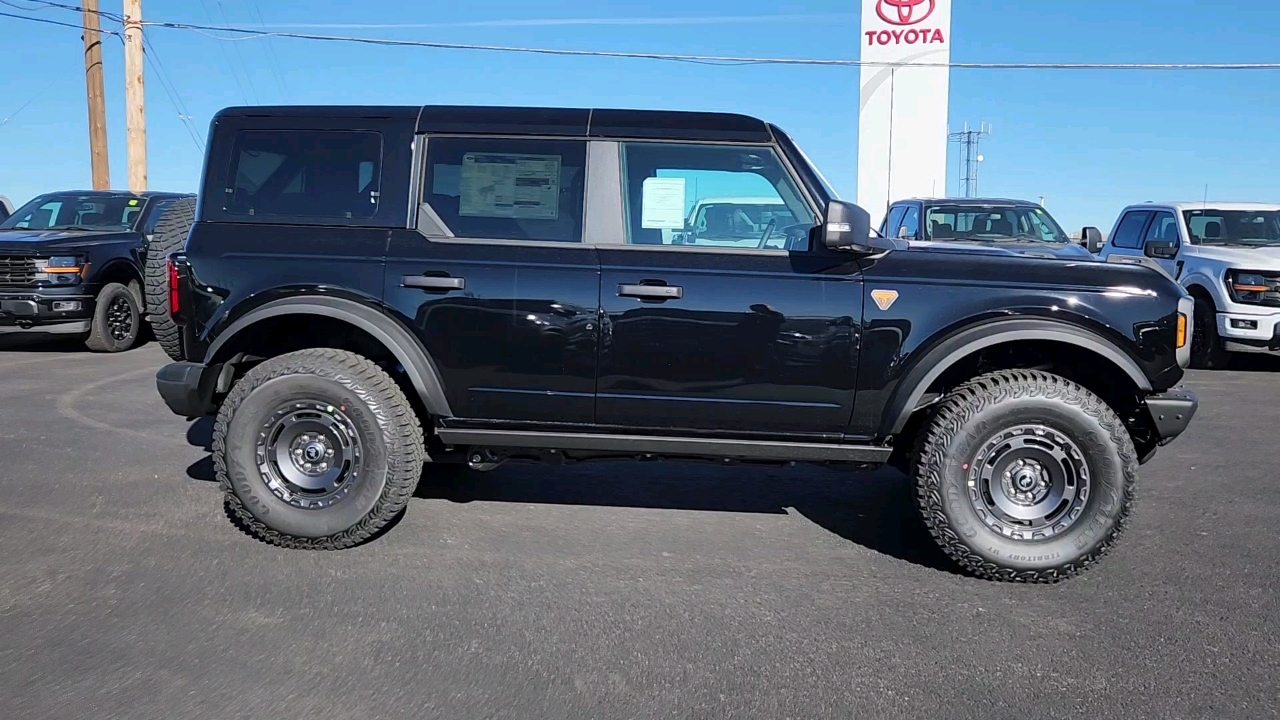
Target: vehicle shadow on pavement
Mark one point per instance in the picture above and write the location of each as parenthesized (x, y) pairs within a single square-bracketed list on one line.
[(873, 509), (41, 344)]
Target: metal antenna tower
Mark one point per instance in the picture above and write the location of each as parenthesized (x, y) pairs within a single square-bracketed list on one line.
[(969, 141)]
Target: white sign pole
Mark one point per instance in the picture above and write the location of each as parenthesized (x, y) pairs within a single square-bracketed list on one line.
[(902, 122)]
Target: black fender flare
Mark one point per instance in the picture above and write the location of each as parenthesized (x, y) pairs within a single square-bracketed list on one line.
[(128, 265), (936, 361), (417, 364)]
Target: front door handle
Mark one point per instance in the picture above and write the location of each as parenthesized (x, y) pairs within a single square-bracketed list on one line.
[(429, 282), (651, 292)]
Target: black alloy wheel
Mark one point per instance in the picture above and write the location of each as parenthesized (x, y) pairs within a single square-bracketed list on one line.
[(117, 318)]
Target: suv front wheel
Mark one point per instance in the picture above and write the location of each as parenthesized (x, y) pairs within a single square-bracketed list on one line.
[(1025, 476), (317, 449)]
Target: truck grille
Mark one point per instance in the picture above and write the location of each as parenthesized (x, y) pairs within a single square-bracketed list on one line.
[(17, 270)]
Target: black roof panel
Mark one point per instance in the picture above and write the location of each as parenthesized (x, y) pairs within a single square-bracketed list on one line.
[(565, 122)]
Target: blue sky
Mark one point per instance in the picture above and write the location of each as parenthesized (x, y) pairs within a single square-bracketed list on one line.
[(1089, 141)]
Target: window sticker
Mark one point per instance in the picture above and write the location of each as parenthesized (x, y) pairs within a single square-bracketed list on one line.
[(662, 204), (507, 185)]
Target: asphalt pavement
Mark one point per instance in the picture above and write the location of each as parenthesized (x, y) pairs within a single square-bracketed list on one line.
[(608, 590)]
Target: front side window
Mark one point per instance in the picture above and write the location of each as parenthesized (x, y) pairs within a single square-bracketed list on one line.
[(893, 222), (1129, 231), (712, 196), (504, 189), (68, 211), (317, 174), (1240, 228), (910, 224), (961, 223), (1163, 227)]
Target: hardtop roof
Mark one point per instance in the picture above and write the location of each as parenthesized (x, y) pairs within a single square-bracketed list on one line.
[(563, 122)]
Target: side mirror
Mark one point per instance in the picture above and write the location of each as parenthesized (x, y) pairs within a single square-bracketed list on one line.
[(1091, 239), (903, 234), (848, 227), (1161, 249)]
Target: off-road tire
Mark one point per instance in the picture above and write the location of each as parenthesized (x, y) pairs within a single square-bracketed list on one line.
[(1207, 352), (113, 298), (381, 416), (169, 237), (981, 409)]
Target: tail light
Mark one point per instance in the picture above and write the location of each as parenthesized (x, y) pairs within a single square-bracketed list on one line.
[(174, 296)]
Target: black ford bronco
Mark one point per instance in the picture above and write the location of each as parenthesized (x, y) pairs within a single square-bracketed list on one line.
[(73, 263), (366, 290)]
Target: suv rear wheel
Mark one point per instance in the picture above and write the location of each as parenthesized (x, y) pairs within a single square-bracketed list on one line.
[(317, 449), (1025, 476)]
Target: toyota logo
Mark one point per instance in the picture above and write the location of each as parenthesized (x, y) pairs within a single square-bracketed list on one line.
[(905, 12)]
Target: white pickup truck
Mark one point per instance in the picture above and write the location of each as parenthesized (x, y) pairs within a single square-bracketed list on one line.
[(1227, 255)]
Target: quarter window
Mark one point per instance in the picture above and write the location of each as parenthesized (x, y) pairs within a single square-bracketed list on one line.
[(503, 189), (1129, 231), (712, 196), (305, 174)]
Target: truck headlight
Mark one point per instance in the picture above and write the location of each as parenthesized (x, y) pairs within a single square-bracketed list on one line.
[(63, 270), (1254, 288)]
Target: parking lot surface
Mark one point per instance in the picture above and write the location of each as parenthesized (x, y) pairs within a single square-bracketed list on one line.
[(607, 590)]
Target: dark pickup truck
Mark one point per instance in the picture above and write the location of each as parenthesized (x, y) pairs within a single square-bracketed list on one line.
[(368, 289), (72, 263)]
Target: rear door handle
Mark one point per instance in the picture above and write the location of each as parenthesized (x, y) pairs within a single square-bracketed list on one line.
[(429, 282), (651, 292)]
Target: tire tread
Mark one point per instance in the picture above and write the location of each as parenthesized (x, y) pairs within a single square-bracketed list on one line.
[(952, 414), (396, 419), (170, 235)]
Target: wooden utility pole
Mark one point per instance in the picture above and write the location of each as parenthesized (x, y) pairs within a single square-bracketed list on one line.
[(134, 101), (97, 103)]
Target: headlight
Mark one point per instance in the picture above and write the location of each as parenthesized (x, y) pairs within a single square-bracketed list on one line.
[(62, 270), (1254, 288)]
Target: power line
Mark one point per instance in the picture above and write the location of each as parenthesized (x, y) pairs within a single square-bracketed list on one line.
[(248, 77), (250, 34), (8, 118), (152, 56), (28, 18)]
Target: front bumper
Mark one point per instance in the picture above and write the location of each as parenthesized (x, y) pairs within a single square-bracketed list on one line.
[(188, 388), (1171, 412), (33, 311), (1249, 332)]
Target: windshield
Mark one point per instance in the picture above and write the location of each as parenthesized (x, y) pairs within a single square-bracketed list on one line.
[(69, 211), (957, 222), (737, 221), (1247, 228)]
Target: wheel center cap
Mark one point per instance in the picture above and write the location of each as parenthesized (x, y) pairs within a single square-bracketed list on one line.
[(313, 451), (1025, 479)]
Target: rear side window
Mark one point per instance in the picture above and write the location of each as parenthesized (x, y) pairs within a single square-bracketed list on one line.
[(1129, 231), (305, 176), (504, 189)]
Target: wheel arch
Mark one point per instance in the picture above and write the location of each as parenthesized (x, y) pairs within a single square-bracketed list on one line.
[(971, 341), (388, 332), (119, 270)]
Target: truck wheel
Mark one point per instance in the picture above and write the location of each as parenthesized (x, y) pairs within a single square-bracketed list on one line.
[(1206, 345), (169, 237), (117, 319), (317, 450), (1024, 476)]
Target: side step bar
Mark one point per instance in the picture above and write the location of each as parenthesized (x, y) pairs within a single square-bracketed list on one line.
[(675, 446)]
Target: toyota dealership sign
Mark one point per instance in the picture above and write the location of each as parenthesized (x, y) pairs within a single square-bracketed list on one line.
[(902, 123)]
